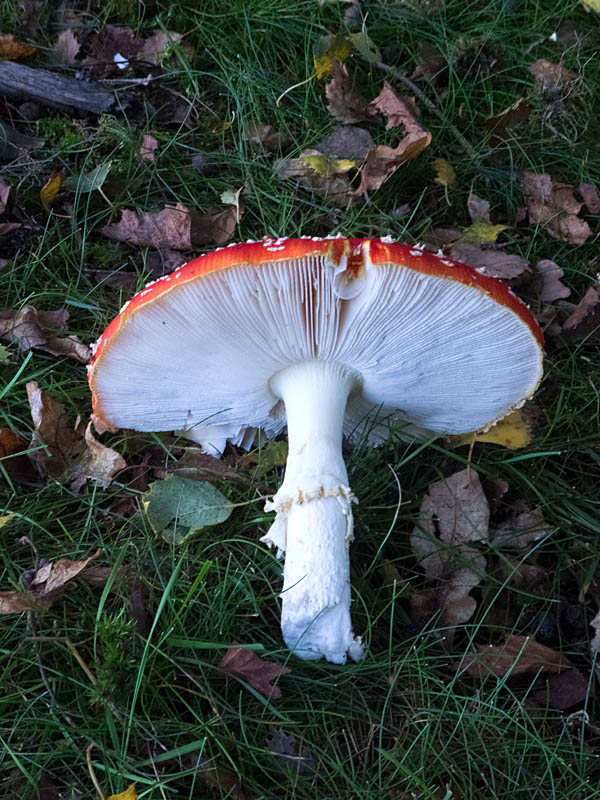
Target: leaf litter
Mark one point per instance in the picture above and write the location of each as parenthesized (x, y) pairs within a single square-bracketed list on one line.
[(258, 672)]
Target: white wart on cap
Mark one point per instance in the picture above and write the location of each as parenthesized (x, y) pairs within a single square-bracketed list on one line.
[(316, 335)]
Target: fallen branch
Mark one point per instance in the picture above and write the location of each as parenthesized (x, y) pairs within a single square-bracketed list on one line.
[(52, 89)]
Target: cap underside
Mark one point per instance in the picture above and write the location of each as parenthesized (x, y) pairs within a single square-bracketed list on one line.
[(434, 354)]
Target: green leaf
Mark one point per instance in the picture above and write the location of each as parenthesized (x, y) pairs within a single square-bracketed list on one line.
[(4, 355), (366, 47), (191, 504), (88, 181)]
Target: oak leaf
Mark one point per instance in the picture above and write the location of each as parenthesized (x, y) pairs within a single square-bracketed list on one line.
[(554, 205)]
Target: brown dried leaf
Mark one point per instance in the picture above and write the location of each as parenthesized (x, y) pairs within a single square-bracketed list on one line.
[(9, 227), (551, 75), (4, 192), (562, 690), (98, 463), (148, 146), (383, 161), (518, 655), (398, 110), (456, 509), (432, 65), (259, 133), (11, 50), (44, 586), (498, 126), (553, 205), (552, 287), (112, 41), (14, 461), (522, 530), (66, 47), (585, 319), (591, 200), (246, 665), (495, 263), (170, 227), (345, 104), (29, 328), (215, 227), (53, 430), (157, 46), (196, 464)]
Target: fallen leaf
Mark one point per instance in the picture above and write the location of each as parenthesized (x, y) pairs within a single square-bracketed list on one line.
[(259, 133), (4, 192), (43, 586), (199, 465), (66, 47), (595, 643), (326, 165), (149, 145), (12, 50), (453, 514), (522, 530), (398, 111), (514, 432), (292, 753), (50, 189), (494, 263), (88, 181), (432, 66), (113, 44), (327, 51), (191, 504), (273, 454), (223, 781), (156, 47), (383, 161), (257, 672), (14, 461), (444, 172), (215, 227), (31, 328), (553, 205), (498, 126), (329, 184), (552, 287), (584, 322), (479, 209), (6, 518), (562, 690), (518, 655), (551, 75), (128, 794), (56, 441), (482, 233), (590, 197), (170, 228), (344, 103), (98, 463), (365, 47)]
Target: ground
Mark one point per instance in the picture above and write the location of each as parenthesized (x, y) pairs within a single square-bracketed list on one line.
[(117, 676)]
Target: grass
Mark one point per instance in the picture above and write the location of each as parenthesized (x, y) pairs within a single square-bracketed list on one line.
[(136, 674)]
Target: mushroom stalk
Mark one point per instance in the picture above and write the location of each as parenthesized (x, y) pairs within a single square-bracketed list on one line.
[(313, 526)]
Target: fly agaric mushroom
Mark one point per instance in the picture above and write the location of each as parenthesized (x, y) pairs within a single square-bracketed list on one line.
[(315, 334)]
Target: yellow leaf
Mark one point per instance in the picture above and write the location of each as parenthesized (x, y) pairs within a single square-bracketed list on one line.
[(11, 50), (327, 50), (512, 432), (591, 5), (444, 172), (5, 519), (50, 189), (324, 165), (482, 233), (128, 794)]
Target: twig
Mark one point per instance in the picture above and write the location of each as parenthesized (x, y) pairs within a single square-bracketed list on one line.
[(467, 147)]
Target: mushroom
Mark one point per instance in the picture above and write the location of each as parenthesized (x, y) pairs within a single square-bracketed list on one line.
[(316, 334)]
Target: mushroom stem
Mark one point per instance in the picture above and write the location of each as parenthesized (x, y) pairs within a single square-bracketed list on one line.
[(314, 522)]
